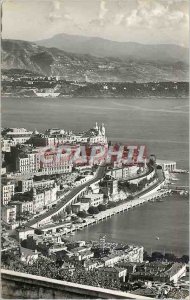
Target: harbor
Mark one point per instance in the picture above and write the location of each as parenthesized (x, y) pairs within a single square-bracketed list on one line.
[(102, 216)]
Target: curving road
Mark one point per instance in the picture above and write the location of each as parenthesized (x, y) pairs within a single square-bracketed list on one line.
[(66, 199)]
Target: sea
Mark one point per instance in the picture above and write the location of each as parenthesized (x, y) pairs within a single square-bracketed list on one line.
[(161, 124)]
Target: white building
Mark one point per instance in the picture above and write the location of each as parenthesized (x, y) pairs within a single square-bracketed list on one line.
[(22, 233), (92, 199), (18, 135), (166, 165), (26, 185), (28, 163), (44, 198), (24, 206), (79, 206), (8, 213), (7, 192)]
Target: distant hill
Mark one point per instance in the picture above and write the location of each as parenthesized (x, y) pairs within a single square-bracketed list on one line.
[(124, 50), (18, 54)]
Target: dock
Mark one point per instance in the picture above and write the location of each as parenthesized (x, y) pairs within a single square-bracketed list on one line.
[(102, 216)]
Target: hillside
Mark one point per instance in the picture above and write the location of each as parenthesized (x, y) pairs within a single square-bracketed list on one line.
[(18, 54), (124, 50)]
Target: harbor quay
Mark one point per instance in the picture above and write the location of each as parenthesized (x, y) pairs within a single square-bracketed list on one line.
[(155, 195)]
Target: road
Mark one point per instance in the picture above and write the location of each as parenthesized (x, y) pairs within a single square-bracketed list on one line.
[(66, 199)]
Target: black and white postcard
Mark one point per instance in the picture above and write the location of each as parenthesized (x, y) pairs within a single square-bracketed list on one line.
[(95, 149)]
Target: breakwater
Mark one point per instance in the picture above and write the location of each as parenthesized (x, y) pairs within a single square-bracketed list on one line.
[(154, 196)]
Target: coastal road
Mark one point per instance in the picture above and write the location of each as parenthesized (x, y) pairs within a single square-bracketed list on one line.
[(68, 198)]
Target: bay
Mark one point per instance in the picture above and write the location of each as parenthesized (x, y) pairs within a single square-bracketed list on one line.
[(160, 124)]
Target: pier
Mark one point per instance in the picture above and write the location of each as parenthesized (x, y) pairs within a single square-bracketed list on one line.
[(179, 189), (102, 216)]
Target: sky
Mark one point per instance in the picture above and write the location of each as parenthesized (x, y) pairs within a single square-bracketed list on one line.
[(143, 21)]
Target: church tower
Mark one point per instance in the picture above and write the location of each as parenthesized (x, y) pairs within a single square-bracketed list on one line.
[(103, 129), (96, 126)]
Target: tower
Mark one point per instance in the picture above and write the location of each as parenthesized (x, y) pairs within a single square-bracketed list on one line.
[(99, 131), (103, 129), (102, 242), (96, 126)]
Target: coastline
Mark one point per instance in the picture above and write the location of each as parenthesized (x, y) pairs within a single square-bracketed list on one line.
[(150, 196), (94, 97)]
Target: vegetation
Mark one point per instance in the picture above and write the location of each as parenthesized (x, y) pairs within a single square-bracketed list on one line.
[(82, 214), (68, 210), (59, 217), (93, 210), (101, 207), (169, 257), (52, 269)]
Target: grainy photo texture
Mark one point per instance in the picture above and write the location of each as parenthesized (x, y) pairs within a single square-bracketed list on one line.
[(94, 149)]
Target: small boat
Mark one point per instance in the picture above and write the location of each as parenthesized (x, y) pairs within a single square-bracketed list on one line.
[(157, 238)]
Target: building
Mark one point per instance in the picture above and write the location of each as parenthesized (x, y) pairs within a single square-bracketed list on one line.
[(7, 192), (166, 165), (109, 187), (76, 207), (8, 214), (90, 264), (28, 162), (82, 253), (3, 170), (92, 199), (44, 198), (112, 274), (24, 206), (129, 254), (134, 254), (82, 179), (94, 188), (95, 135), (26, 185), (176, 271), (23, 233), (56, 136), (17, 135), (44, 184), (123, 172), (28, 255), (111, 260), (6, 144), (159, 271), (56, 166)]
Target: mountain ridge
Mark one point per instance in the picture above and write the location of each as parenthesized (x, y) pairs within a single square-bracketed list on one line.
[(18, 54), (101, 47)]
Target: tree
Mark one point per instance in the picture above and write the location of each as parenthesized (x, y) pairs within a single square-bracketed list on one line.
[(132, 187), (170, 257), (93, 210), (157, 255), (68, 210), (55, 218), (185, 259), (111, 204), (101, 207), (82, 214), (146, 256)]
